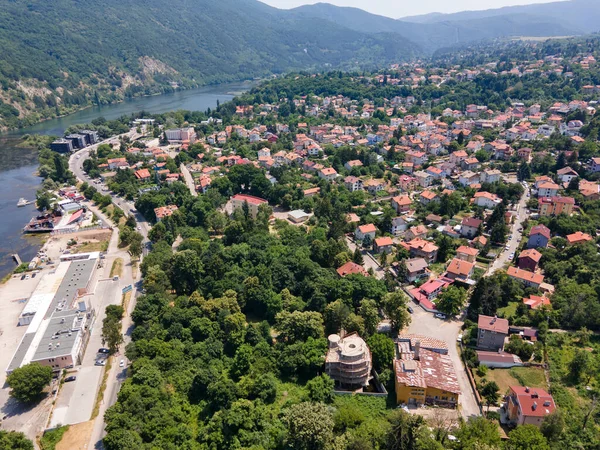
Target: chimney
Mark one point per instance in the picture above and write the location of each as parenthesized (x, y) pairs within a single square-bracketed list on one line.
[(417, 349), (534, 406), (527, 389)]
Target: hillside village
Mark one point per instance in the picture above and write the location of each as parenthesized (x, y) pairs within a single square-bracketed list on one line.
[(417, 246)]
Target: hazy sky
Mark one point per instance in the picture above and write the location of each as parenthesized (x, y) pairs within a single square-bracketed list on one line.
[(401, 8)]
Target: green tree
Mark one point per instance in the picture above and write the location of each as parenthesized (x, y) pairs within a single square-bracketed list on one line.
[(526, 437), (394, 307), (490, 392), (28, 382), (299, 325), (382, 351), (405, 431), (335, 316), (14, 440), (370, 314), (357, 257), (478, 431), (320, 389), (310, 426), (111, 333), (553, 426), (242, 361), (451, 300), (186, 271)]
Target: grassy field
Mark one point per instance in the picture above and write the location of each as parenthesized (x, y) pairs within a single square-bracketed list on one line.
[(508, 311), (87, 247), (52, 437), (517, 376), (117, 267)]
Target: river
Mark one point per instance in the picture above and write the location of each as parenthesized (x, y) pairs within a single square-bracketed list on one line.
[(18, 165)]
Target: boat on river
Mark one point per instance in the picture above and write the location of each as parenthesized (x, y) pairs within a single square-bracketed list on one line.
[(23, 202)]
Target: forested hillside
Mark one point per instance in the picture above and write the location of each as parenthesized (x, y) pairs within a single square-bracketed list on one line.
[(59, 56)]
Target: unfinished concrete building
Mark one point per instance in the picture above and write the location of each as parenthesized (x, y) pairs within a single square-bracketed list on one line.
[(348, 361)]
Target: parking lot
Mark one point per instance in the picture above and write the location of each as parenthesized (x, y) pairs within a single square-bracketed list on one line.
[(447, 330), (76, 399)]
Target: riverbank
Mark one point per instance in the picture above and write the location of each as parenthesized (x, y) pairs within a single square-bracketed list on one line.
[(19, 165), (247, 83)]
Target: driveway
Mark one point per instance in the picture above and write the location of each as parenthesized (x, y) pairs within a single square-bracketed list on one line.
[(426, 324)]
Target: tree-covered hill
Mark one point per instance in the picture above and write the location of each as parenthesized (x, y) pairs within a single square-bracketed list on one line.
[(57, 56)]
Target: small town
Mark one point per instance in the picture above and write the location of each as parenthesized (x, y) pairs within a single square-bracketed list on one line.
[(319, 250)]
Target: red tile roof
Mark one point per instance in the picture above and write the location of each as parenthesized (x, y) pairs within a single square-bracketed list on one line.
[(495, 324), (540, 229), (534, 402), (532, 254), (252, 200), (351, 268)]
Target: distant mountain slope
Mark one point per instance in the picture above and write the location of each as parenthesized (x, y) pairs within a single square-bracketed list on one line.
[(432, 36), (61, 54), (581, 15)]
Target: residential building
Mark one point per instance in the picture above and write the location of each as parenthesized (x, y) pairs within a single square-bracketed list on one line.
[(528, 406), (468, 178), (417, 268), (164, 211), (374, 186), (486, 200), (595, 165), (348, 361), (529, 279), (423, 178), (62, 146), (548, 189), (383, 245), (239, 200), (424, 377), (566, 174), (470, 227), (353, 183), (401, 203), (417, 232), (578, 238), (536, 302), (490, 176), (539, 236), (420, 248), (328, 173), (78, 141), (117, 163), (529, 259), (491, 332), (498, 360), (181, 135), (142, 174), (352, 164), (399, 225), (460, 270), (554, 206), (351, 268), (468, 254), (426, 197), (363, 231)]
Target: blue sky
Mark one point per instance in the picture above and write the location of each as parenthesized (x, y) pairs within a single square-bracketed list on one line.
[(401, 8)]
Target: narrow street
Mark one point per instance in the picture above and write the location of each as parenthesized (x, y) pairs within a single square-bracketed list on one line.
[(513, 243), (189, 180)]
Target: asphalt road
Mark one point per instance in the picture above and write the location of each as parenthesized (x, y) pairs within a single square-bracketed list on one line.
[(117, 374), (512, 243)]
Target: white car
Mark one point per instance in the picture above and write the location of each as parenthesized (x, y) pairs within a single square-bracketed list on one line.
[(122, 363), (511, 256), (459, 338), (440, 316)]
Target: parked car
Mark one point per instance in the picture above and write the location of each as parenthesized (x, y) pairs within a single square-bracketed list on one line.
[(440, 316), (71, 378), (27, 277), (409, 309), (100, 362), (22, 277), (459, 338), (122, 363), (103, 350)]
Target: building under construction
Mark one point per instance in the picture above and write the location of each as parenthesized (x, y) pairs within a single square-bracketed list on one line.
[(348, 361)]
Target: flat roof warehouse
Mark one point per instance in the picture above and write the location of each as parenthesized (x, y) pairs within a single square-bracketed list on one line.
[(55, 327)]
